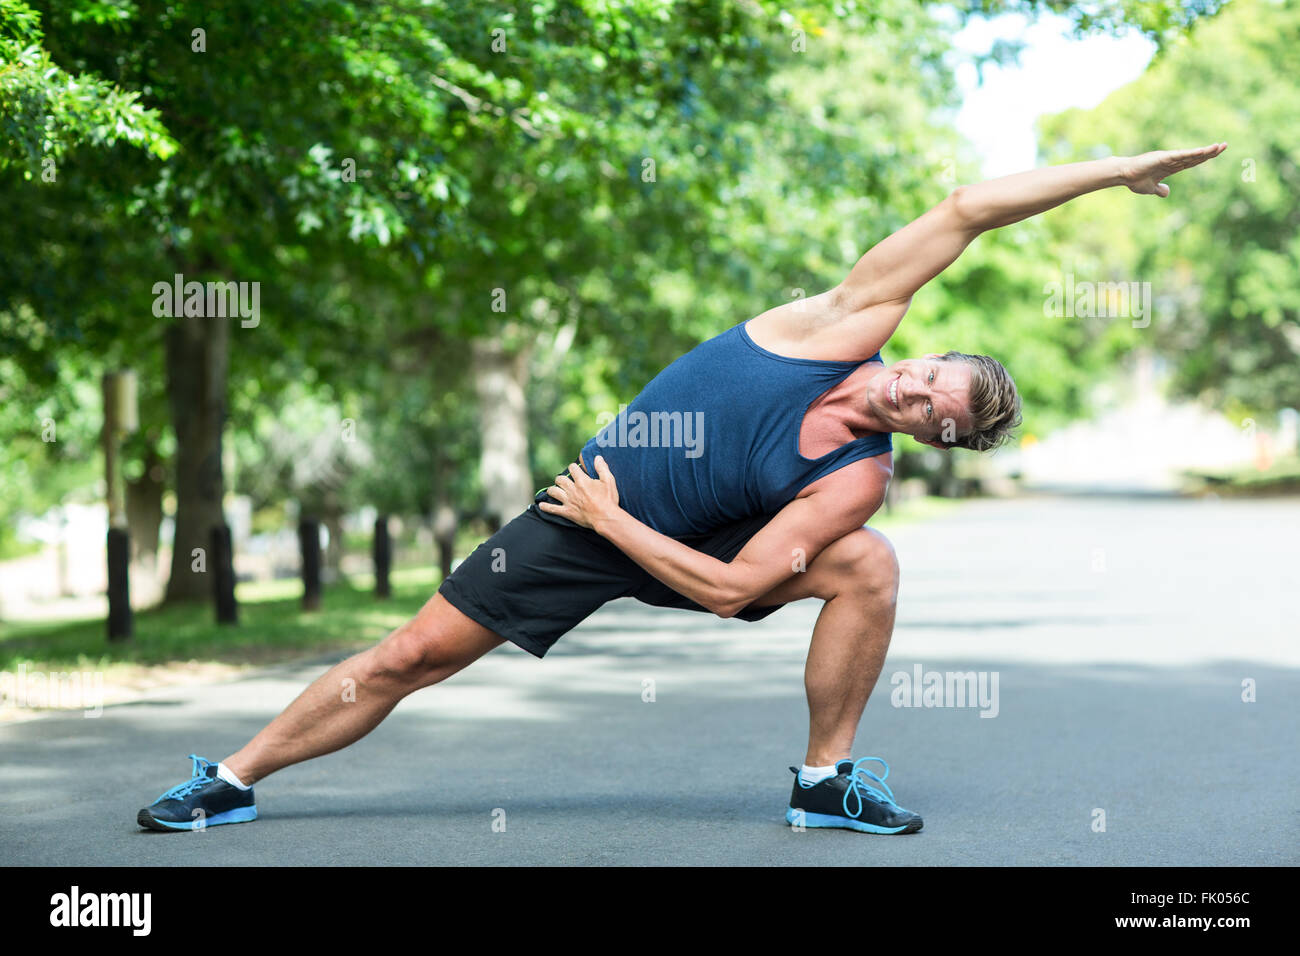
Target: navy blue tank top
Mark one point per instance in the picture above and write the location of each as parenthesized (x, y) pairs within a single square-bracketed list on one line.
[(714, 437)]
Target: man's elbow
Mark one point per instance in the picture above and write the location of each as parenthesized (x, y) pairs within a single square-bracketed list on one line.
[(729, 600), (727, 610), (961, 208), (958, 203)]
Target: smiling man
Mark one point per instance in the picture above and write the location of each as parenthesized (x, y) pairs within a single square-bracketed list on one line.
[(763, 504)]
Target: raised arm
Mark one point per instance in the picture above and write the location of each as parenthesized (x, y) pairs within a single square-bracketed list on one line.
[(863, 311)]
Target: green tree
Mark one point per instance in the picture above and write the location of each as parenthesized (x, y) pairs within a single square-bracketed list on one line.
[(1222, 253)]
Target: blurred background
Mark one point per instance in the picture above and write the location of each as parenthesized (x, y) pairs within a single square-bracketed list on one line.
[(299, 302)]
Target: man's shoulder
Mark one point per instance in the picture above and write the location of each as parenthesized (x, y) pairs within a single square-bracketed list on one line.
[(823, 328)]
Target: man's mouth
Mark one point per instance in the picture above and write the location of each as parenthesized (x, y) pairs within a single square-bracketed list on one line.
[(893, 391)]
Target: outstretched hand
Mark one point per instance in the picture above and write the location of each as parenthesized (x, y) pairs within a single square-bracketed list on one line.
[(1143, 173), (583, 500)]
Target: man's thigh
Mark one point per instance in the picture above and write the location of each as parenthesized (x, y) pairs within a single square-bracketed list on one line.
[(862, 558)]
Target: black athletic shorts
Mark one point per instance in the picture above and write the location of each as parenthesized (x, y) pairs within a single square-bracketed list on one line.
[(541, 575)]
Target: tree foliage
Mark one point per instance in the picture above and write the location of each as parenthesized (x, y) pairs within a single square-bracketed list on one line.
[(1222, 253), (605, 184)]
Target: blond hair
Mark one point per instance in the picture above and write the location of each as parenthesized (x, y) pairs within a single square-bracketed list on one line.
[(994, 403)]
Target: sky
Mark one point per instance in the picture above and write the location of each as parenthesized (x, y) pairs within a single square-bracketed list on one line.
[(1055, 73)]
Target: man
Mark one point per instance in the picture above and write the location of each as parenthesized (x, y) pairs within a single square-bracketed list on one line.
[(762, 503)]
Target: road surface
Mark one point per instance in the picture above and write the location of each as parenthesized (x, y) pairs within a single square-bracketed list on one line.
[(1147, 670)]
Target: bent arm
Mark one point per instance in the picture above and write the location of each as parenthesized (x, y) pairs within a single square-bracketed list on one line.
[(794, 536), (834, 505)]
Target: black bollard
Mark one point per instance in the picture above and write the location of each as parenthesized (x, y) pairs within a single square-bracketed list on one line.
[(309, 544), (383, 558), (120, 620), (223, 577)]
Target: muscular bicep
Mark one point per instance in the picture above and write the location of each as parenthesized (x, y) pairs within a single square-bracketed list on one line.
[(854, 320), (897, 266), (873, 298)]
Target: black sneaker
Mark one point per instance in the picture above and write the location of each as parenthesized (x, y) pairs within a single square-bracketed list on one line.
[(850, 802), (203, 801)]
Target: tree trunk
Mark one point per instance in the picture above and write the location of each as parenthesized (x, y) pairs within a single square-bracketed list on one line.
[(500, 380), (333, 521), (949, 486), (144, 509), (197, 357), (65, 582), (444, 535)]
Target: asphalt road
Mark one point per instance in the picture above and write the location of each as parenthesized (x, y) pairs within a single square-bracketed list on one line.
[(1121, 633)]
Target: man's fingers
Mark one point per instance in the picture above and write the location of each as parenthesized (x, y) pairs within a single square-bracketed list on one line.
[(602, 469), (1187, 158), (1206, 153)]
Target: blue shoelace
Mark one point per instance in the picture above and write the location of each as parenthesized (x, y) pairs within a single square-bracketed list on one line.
[(859, 787), (200, 778)]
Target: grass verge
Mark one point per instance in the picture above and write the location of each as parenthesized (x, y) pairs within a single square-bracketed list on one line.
[(272, 626)]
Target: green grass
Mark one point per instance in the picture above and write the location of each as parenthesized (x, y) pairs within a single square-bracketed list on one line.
[(11, 548), (272, 626), (1282, 478)]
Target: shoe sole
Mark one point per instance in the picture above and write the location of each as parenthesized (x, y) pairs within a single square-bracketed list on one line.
[(827, 821), (239, 815)]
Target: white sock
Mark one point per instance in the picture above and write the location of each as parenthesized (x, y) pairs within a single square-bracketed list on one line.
[(811, 775), (228, 775)]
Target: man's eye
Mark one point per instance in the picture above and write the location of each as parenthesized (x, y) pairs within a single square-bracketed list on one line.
[(929, 410), (931, 377)]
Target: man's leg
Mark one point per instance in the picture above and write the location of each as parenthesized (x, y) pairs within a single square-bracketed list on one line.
[(857, 577), (433, 645)]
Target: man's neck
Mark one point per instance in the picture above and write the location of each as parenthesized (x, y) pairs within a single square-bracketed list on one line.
[(848, 402)]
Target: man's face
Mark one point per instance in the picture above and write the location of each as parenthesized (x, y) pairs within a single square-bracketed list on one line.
[(926, 398)]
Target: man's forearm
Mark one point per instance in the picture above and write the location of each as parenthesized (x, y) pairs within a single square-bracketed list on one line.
[(1008, 199), (700, 577)]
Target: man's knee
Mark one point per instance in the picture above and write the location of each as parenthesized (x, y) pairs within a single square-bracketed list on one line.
[(420, 652), (863, 562)]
